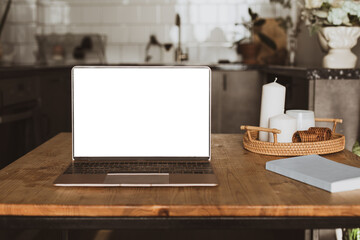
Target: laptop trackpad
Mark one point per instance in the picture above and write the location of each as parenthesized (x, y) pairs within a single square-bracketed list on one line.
[(137, 178)]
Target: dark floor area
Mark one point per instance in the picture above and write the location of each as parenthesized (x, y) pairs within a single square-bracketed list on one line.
[(152, 234)]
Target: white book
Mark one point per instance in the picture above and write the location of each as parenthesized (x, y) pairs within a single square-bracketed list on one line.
[(319, 172)]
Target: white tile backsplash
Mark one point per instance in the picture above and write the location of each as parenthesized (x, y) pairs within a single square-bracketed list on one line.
[(77, 14), (208, 53), (149, 14), (53, 15), (132, 53), (25, 53), (139, 34), (115, 34), (88, 14), (106, 15), (40, 18), (22, 13), (168, 13), (60, 29), (82, 29), (201, 32), (238, 1), (227, 13), (128, 14), (194, 13), (5, 35), (24, 1), (193, 53), (207, 25), (187, 33), (20, 33), (167, 34), (112, 53), (208, 14)]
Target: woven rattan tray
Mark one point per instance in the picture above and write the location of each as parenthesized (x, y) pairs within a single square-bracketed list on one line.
[(251, 142)]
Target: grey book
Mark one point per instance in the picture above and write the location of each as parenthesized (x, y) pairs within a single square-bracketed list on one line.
[(318, 172)]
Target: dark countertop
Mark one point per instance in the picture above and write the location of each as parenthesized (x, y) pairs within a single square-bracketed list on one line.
[(313, 73), (333, 74), (231, 67), (295, 71), (20, 67)]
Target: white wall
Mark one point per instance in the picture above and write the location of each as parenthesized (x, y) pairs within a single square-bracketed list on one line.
[(18, 33), (207, 25)]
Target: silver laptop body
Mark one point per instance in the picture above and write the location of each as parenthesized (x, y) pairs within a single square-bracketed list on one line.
[(140, 126)]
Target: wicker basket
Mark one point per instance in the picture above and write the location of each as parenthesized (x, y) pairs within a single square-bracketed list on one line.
[(251, 142)]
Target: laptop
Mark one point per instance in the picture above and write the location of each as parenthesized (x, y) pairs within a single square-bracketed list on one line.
[(140, 126)]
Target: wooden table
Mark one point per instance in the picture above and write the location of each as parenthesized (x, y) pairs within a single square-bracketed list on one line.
[(248, 196)]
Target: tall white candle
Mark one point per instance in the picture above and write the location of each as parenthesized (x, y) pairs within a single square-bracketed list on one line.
[(286, 124), (272, 104)]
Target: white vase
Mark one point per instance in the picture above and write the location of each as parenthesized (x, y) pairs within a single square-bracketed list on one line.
[(338, 41)]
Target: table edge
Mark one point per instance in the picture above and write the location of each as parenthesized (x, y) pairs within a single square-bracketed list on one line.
[(179, 210)]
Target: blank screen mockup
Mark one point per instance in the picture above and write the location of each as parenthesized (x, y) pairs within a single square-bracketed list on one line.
[(141, 112)]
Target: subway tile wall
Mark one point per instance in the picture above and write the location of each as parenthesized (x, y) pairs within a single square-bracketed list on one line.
[(17, 38), (208, 26)]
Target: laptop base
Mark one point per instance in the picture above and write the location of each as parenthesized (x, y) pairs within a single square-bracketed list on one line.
[(144, 173), (136, 180)]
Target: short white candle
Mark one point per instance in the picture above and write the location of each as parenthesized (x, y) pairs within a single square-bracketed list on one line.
[(305, 118), (272, 104), (286, 124)]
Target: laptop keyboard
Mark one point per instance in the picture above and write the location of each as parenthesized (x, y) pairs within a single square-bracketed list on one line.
[(105, 167)]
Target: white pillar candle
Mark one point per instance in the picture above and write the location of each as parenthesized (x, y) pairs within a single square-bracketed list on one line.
[(272, 104), (286, 124), (305, 118)]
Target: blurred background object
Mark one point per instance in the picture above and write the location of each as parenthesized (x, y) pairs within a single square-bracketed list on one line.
[(57, 49)]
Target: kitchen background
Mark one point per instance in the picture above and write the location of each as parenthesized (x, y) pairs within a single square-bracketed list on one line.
[(208, 27), (45, 34), (39, 94)]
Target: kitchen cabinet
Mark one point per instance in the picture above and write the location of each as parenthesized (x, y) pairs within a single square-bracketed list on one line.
[(55, 103), (19, 116), (35, 105), (236, 99)]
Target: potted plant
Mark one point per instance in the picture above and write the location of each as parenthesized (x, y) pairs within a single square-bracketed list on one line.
[(338, 27), (248, 47)]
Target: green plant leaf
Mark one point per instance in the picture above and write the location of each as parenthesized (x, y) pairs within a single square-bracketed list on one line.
[(284, 23), (325, 6), (259, 22), (354, 20), (268, 41), (252, 14), (356, 148), (354, 234)]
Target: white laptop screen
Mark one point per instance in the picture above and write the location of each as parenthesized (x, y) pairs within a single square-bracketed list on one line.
[(141, 112)]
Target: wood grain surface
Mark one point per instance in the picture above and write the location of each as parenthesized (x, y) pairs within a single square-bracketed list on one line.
[(245, 188)]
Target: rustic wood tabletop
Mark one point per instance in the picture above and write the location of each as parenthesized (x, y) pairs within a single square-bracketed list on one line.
[(245, 189)]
